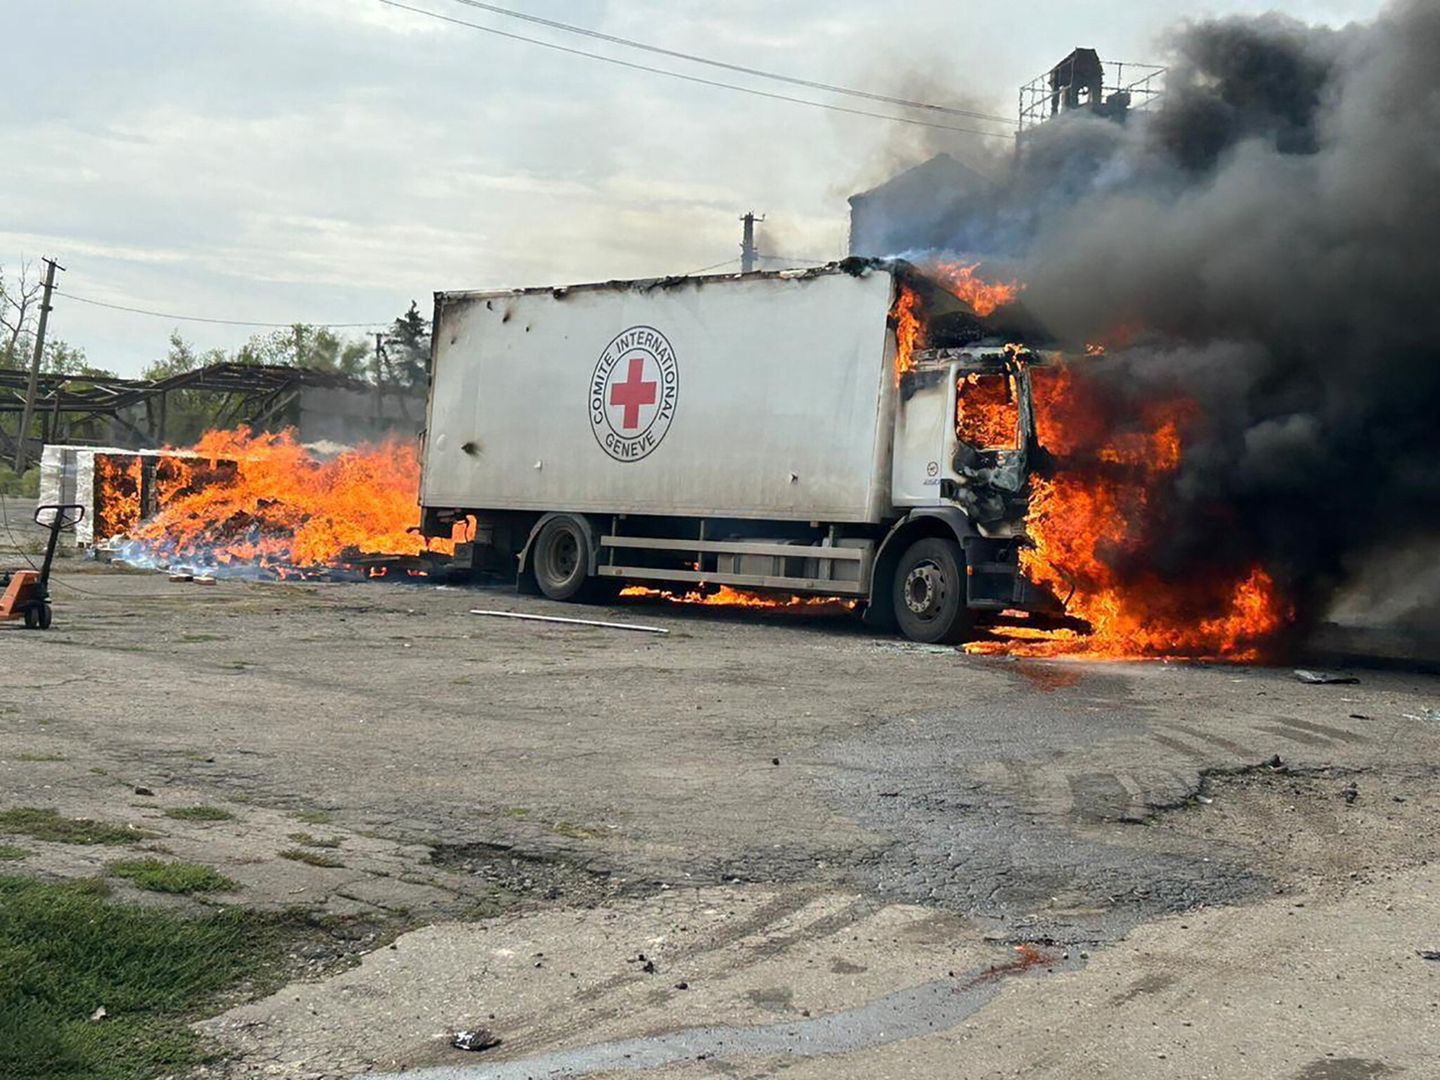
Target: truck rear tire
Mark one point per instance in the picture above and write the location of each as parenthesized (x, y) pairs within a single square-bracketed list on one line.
[(561, 559), (929, 593)]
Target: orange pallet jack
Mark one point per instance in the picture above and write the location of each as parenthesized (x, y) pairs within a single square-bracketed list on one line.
[(27, 592)]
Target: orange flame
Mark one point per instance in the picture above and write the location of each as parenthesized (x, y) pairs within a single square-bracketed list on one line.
[(987, 411), (119, 476), (725, 596), (1095, 513), (908, 331), (276, 506), (960, 280)]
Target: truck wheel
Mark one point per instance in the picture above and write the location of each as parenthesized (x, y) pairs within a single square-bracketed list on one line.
[(930, 593), (561, 559)]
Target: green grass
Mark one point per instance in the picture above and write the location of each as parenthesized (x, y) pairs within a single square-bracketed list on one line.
[(311, 858), (314, 817), (41, 824), (305, 839), (199, 813), (181, 878), (9, 852), (66, 950)]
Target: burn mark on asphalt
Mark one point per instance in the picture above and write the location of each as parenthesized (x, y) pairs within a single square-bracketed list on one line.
[(1344, 1069)]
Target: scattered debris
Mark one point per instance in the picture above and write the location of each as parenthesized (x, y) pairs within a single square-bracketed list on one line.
[(145, 792), (481, 1038), (182, 577), (1359, 716), (774, 761), (1433, 955), (1276, 762), (1324, 678), (99, 1014), (649, 967), (570, 622), (682, 986), (204, 581), (1351, 793)]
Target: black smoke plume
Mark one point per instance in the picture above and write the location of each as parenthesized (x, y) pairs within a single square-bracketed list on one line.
[(1267, 244)]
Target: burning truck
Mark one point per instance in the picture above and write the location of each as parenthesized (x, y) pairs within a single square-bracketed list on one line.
[(805, 433)]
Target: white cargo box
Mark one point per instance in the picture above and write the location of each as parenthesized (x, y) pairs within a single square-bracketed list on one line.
[(756, 396)]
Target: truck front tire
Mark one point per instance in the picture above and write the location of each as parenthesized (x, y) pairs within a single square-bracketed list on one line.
[(929, 593), (561, 559)]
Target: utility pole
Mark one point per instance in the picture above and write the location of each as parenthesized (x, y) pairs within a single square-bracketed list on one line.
[(32, 387), (748, 255), (379, 378)]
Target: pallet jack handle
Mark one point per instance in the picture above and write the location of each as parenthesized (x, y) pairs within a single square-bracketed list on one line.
[(58, 521)]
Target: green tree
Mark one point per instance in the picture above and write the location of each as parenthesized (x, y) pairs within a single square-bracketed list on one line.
[(315, 348), (62, 359), (188, 413), (407, 348)]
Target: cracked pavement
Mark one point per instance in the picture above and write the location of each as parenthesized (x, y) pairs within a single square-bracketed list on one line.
[(588, 794)]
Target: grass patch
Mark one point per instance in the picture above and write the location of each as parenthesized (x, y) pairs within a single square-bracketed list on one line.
[(311, 858), (41, 824), (40, 757), (314, 817), (179, 878), (9, 852), (199, 813), (316, 841), (65, 950), (519, 813)]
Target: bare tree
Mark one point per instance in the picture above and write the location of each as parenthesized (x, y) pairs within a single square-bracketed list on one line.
[(19, 303)]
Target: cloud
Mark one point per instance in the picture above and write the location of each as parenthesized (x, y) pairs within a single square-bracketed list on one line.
[(334, 159)]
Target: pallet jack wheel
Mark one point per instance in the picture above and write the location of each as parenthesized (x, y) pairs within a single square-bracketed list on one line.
[(37, 617)]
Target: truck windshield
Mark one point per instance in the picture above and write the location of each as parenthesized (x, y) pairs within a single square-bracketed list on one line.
[(987, 411)]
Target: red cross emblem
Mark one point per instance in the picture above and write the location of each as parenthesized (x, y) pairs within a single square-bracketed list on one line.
[(634, 393)]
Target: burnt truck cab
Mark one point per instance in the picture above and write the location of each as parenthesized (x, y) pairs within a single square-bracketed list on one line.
[(965, 444), (890, 467)]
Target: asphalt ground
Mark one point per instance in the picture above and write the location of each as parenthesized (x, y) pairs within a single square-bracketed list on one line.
[(792, 817)]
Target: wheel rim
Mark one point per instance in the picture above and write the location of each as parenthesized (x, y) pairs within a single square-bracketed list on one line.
[(563, 556), (925, 591)]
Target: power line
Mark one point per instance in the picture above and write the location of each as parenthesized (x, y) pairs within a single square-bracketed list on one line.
[(742, 69), (793, 260), (706, 269), (218, 322), (691, 78)]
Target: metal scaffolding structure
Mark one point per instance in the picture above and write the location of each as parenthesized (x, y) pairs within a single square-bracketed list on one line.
[(1082, 81), (257, 395)]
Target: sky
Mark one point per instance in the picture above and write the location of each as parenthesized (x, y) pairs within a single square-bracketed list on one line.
[(329, 161)]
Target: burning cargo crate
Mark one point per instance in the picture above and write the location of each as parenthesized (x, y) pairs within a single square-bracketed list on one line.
[(253, 505), (121, 488)]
